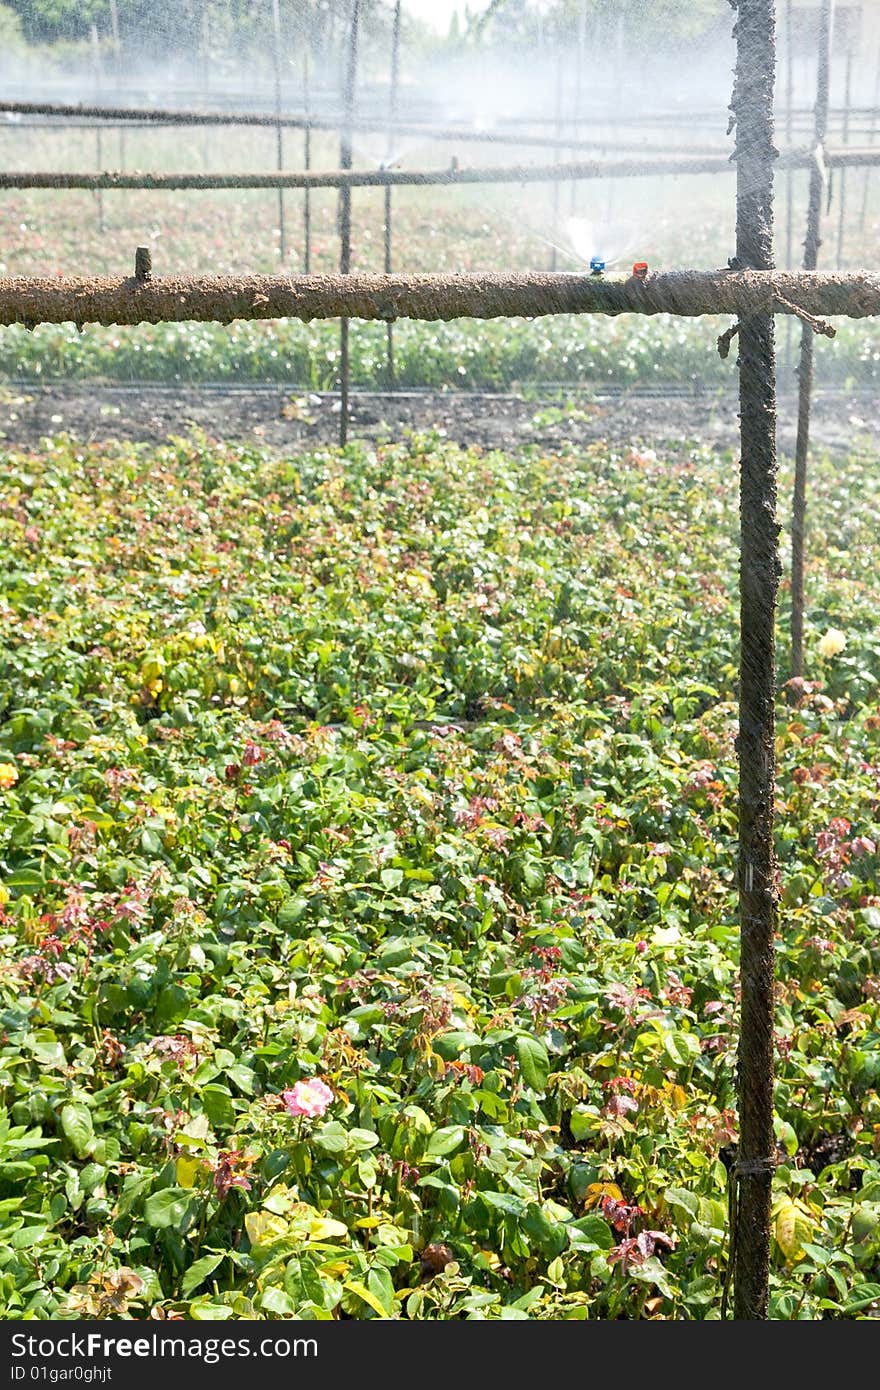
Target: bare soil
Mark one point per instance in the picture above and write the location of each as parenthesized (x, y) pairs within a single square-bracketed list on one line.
[(285, 420)]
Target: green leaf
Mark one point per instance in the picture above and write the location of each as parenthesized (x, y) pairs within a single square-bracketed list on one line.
[(684, 1202), (275, 1300), (218, 1106), (210, 1312), (198, 1273), (27, 1237), (785, 1135), (504, 1201), (862, 1296), (25, 880), (361, 1139), (379, 1283), (444, 1142), (172, 1006), (590, 1233), (550, 1237), (291, 911), (582, 1122), (46, 1049), (332, 1137), (76, 1125), (168, 1208), (451, 1045), (534, 1063), (446, 1195), (702, 1291), (681, 1048)]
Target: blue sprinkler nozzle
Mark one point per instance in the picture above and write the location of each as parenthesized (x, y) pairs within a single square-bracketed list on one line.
[(597, 265)]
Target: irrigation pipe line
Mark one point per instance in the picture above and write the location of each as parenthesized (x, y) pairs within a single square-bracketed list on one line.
[(418, 178), (598, 142), (174, 299), (162, 116), (375, 102), (158, 115)]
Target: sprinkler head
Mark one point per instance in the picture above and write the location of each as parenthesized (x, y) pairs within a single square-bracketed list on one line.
[(640, 270), (597, 265)]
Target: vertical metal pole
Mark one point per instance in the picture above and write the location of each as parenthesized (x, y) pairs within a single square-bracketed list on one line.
[(99, 153), (345, 162), (279, 138), (117, 62), (389, 150), (557, 130), (578, 93), (812, 242), (841, 186), (873, 135), (759, 579), (205, 64), (789, 177), (307, 163)]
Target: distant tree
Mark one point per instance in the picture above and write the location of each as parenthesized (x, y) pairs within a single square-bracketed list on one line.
[(155, 28), (11, 30), (655, 21)]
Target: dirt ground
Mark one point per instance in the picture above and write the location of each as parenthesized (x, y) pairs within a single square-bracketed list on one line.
[(292, 421)]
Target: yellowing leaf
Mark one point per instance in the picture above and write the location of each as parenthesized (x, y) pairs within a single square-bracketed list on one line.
[(186, 1168), (263, 1228), (325, 1228), (282, 1202), (793, 1224), (677, 1095), (665, 936), (597, 1190), (152, 668), (369, 1298)]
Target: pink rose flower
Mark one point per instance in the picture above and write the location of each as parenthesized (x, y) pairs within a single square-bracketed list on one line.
[(308, 1098)]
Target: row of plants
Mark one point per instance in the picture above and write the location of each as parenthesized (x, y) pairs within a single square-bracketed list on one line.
[(367, 838), (587, 352)]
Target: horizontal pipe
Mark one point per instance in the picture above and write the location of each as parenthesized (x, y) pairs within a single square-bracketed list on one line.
[(65, 124), (608, 143), (369, 178), (171, 299), (850, 157), (152, 116), (165, 116), (421, 128), (178, 116)]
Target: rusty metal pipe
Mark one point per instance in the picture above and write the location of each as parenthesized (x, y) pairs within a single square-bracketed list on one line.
[(383, 298)]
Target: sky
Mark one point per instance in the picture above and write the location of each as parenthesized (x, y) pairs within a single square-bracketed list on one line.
[(438, 12)]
